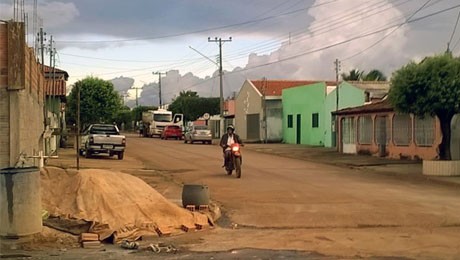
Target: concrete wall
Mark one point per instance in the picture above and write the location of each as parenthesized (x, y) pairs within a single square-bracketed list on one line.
[(304, 101), (274, 109), (455, 138), (248, 101), (411, 151), (21, 109), (349, 96)]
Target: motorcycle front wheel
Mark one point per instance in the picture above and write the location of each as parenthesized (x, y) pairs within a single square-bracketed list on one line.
[(238, 167)]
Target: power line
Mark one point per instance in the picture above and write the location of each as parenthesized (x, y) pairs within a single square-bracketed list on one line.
[(453, 32), (388, 34), (198, 31), (338, 43)]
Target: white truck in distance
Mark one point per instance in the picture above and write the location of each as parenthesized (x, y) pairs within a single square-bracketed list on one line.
[(154, 121)]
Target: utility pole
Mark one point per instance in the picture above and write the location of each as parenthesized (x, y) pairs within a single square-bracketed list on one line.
[(220, 41), (52, 51), (336, 128), (337, 70), (77, 134), (159, 84), (41, 39), (137, 99), (264, 89)]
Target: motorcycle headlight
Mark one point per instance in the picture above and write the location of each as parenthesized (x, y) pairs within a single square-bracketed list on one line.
[(235, 148)]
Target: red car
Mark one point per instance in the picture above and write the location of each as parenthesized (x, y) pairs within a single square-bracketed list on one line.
[(172, 131)]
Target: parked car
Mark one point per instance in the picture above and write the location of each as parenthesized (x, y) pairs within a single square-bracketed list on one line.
[(198, 133), (172, 131), (102, 138)]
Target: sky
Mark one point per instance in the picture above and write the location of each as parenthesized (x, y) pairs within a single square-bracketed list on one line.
[(128, 41)]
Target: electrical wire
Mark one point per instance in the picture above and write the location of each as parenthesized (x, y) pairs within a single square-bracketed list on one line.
[(387, 34), (334, 44), (455, 29), (196, 31)]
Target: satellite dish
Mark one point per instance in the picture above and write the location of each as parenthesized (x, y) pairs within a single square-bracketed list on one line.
[(206, 116)]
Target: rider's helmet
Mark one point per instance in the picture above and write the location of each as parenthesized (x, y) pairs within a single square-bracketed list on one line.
[(231, 127)]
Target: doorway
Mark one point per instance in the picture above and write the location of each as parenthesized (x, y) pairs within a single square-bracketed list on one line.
[(298, 129)]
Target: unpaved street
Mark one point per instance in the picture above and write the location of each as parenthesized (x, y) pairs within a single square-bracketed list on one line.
[(286, 203)]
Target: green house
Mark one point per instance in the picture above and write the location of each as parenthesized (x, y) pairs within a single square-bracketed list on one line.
[(307, 109)]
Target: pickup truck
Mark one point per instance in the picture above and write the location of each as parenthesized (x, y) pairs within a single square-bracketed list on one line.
[(102, 138)]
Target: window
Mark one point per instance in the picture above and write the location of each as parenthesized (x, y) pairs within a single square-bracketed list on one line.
[(348, 130), (315, 120), (365, 129), (289, 121), (424, 131), (382, 130), (402, 129)]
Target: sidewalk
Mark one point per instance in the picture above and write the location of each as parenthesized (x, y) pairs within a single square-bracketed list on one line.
[(407, 169)]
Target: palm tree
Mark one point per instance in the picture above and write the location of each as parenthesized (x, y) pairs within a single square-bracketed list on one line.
[(360, 75), (188, 93), (375, 75), (353, 75)]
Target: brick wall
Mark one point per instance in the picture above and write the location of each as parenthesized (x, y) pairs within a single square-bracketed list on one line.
[(4, 99), (21, 111)]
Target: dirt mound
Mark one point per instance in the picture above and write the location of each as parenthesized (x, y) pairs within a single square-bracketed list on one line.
[(112, 202)]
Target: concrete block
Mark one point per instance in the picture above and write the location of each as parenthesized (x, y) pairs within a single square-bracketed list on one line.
[(201, 226), (191, 207), (188, 228), (203, 208), (89, 237), (163, 231), (91, 244)]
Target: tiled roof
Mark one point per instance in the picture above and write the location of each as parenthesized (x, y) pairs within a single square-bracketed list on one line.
[(380, 106), (58, 88), (275, 87), (49, 69)]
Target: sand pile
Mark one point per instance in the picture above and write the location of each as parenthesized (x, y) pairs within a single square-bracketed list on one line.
[(111, 203)]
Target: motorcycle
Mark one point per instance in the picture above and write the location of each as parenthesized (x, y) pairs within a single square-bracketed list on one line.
[(235, 160)]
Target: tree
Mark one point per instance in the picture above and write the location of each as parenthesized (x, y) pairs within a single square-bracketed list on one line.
[(361, 75), (99, 102), (124, 117), (137, 112), (431, 87), (193, 106), (374, 75), (353, 75)]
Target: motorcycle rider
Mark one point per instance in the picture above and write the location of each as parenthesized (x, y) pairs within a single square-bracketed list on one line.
[(227, 140)]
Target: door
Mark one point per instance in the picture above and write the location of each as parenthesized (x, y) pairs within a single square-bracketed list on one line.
[(253, 127), (381, 134), (298, 129)]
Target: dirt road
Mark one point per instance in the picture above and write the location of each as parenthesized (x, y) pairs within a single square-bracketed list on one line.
[(289, 204)]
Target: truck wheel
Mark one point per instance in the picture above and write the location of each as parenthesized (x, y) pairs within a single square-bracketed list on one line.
[(120, 155)]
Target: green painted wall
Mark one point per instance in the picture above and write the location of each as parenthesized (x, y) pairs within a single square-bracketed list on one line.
[(349, 96), (304, 101)]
